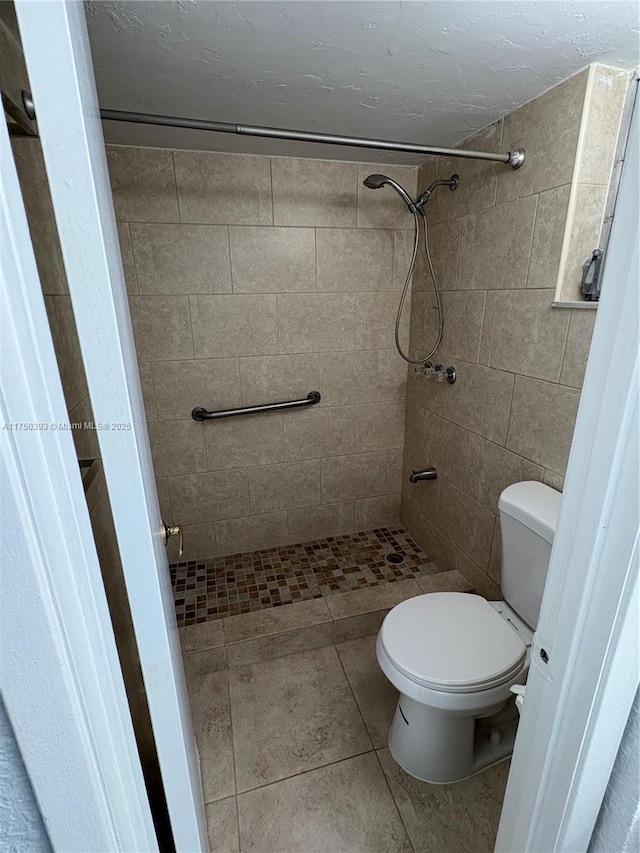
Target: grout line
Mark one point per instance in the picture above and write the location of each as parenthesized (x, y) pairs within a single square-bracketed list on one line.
[(395, 802), (309, 770)]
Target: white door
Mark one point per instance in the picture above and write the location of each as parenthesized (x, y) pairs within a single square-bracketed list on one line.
[(54, 36)]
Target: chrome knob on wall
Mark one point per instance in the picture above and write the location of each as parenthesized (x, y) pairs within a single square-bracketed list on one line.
[(425, 474)]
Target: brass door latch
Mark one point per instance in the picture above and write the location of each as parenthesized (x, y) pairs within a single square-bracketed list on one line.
[(173, 530)]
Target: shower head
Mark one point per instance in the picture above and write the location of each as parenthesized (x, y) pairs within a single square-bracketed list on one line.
[(451, 182), (374, 182)]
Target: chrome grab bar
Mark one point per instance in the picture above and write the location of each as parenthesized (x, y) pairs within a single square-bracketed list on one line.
[(201, 414)]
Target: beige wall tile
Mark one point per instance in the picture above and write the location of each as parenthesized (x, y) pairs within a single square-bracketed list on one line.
[(162, 485), (199, 544), (148, 392), (359, 475), (492, 469), (556, 481), (444, 248), (181, 258), (34, 187), (278, 377), (177, 447), (495, 246), (161, 327), (316, 322), (379, 425), (462, 313), (375, 320), (451, 581), (379, 511), (85, 440), (483, 584), (402, 250), (478, 178), (126, 253), (197, 498), (327, 520), (235, 535), (284, 486), (224, 189), (384, 208), (542, 420), (234, 325), (528, 334), (495, 561), (143, 184), (609, 87), (446, 448), (548, 236), (318, 193), (272, 260), (352, 259), (480, 400), (547, 128), (484, 351), (438, 547), (319, 432), (424, 495), (182, 385), (468, 524), (393, 470), (67, 348), (357, 377), (577, 349), (585, 236), (244, 441)]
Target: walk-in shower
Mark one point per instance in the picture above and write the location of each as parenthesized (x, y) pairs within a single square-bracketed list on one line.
[(376, 182)]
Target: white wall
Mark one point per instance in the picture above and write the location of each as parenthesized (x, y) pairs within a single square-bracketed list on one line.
[(21, 826)]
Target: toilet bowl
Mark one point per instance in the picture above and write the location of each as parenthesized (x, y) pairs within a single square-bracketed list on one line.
[(454, 656)]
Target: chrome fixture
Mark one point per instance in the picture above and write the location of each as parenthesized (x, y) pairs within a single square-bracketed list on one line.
[(515, 159), (201, 414), (167, 531), (376, 182), (445, 374), (437, 372), (425, 474)]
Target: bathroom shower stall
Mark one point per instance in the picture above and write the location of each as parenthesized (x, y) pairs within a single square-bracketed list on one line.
[(332, 409)]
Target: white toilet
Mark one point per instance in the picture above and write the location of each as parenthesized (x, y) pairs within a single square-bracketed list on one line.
[(454, 656)]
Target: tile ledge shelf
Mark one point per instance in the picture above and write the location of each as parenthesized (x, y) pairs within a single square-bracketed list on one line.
[(345, 619), (561, 303)]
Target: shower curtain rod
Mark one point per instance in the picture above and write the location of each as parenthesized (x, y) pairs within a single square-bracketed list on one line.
[(515, 159)]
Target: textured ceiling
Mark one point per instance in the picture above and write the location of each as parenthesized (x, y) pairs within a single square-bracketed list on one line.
[(424, 72)]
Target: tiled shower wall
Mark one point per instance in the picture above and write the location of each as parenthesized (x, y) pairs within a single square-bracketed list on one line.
[(253, 280), (496, 246)]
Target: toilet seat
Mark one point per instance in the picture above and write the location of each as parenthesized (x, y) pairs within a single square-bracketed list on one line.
[(452, 642)]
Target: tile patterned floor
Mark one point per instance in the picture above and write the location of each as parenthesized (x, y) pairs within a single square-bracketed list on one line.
[(240, 583), (294, 760)]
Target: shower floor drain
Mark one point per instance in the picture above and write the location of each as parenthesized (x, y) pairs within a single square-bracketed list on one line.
[(394, 559)]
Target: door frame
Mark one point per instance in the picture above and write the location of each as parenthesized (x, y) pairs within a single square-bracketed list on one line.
[(54, 36), (585, 664), (60, 676)]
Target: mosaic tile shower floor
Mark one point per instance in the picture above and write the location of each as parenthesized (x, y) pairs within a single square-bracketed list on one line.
[(240, 583)]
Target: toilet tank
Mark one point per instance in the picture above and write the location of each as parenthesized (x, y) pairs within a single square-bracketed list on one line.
[(528, 518)]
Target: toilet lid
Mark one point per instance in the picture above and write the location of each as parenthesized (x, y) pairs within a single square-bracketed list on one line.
[(451, 641)]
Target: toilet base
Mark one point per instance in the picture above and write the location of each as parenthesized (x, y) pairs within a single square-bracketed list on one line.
[(441, 748)]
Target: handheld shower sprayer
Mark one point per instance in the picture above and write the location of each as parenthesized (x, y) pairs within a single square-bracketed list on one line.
[(376, 182)]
